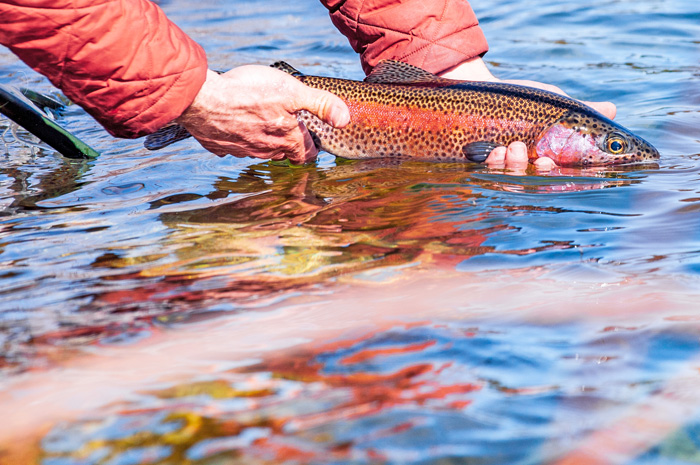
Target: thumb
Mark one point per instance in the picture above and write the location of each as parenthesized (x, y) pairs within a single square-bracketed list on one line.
[(328, 107)]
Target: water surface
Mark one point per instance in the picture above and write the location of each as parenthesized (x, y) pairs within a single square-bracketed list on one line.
[(178, 307)]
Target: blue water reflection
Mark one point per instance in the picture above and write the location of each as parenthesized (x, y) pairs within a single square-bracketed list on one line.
[(537, 310), (440, 393)]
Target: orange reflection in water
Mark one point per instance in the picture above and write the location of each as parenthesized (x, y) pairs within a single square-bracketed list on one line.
[(290, 337), (313, 237), (278, 428), (285, 230)]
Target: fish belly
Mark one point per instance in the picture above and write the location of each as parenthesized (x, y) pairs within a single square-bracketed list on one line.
[(383, 131)]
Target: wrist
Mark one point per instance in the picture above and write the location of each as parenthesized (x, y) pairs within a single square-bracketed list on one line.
[(199, 104)]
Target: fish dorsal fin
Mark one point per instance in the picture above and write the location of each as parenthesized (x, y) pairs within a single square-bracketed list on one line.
[(398, 72), (287, 68)]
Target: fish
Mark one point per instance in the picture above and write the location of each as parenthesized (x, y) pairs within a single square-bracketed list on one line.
[(404, 112)]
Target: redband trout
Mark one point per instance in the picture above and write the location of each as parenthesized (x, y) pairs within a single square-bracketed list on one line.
[(402, 111)]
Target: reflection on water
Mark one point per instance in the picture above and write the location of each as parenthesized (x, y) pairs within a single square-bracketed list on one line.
[(442, 392), (274, 230), (177, 307)]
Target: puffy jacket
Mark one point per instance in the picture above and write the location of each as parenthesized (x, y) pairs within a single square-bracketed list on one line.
[(134, 70), (122, 60), (435, 35)]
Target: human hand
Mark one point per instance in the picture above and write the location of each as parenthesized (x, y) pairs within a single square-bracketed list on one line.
[(514, 157), (251, 111)]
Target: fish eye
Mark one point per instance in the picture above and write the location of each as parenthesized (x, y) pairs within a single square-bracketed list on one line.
[(615, 144)]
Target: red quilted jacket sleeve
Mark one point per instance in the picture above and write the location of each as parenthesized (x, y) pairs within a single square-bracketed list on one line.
[(122, 60), (435, 35)]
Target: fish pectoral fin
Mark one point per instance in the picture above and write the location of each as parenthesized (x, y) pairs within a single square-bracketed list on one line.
[(287, 68), (398, 72), (478, 151), (168, 134)]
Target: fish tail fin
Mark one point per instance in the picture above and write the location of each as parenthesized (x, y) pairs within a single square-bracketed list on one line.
[(287, 68), (43, 101), (168, 134), (29, 114)]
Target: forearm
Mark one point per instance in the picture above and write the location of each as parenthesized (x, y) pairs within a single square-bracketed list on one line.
[(122, 60), (434, 35)]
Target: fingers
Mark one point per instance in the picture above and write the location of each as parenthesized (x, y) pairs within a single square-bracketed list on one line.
[(309, 151), (514, 158), (252, 111), (544, 164), (330, 108), (497, 158)]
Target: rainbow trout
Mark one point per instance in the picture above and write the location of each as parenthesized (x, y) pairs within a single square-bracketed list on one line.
[(402, 111)]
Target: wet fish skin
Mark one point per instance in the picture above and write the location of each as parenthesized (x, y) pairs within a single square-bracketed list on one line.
[(400, 111), (403, 111)]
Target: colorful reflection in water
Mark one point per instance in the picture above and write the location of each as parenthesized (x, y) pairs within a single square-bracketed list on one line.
[(420, 393), (182, 308), (275, 231)]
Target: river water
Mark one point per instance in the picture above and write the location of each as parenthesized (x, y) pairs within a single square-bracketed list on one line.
[(177, 307)]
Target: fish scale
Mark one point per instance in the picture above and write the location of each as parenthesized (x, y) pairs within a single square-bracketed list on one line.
[(401, 111), (426, 123)]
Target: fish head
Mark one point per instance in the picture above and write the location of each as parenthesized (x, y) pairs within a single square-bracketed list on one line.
[(590, 139)]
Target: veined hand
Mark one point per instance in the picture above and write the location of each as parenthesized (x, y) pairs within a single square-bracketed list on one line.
[(251, 111)]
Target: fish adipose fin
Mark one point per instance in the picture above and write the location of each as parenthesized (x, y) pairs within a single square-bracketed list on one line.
[(398, 72), (478, 151), (23, 111)]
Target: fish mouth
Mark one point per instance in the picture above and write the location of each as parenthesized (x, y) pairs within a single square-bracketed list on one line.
[(636, 158), (647, 152)]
